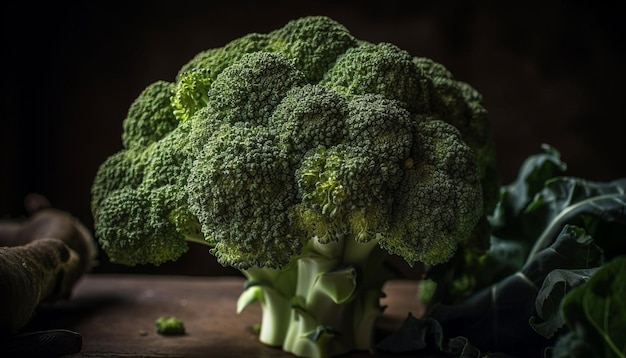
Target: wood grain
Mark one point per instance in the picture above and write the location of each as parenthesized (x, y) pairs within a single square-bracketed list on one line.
[(115, 315)]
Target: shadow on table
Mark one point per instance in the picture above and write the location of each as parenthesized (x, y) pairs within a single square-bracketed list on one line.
[(70, 313)]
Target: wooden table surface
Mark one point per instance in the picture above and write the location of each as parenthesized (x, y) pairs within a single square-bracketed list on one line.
[(115, 316)]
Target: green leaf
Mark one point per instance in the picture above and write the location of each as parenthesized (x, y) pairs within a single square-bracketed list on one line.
[(570, 200), (596, 311), (496, 317), (599, 207), (562, 192), (515, 197), (572, 249), (549, 233), (548, 303)]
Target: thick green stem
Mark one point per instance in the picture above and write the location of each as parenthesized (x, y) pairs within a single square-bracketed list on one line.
[(274, 290), (325, 303)]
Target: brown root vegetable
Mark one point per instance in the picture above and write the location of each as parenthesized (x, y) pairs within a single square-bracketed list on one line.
[(31, 274), (41, 259), (51, 223)]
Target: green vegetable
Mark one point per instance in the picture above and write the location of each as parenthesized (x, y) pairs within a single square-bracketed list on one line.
[(554, 288), (497, 317), (551, 235), (170, 326), (596, 311), (303, 157)]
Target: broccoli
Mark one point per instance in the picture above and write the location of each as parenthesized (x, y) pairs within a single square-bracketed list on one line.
[(169, 326), (304, 158)]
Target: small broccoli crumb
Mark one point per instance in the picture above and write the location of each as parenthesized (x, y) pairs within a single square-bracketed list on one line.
[(170, 326), (256, 328)]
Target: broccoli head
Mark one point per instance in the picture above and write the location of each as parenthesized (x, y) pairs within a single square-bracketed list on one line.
[(303, 157)]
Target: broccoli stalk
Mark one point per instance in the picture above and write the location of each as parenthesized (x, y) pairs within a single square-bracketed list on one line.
[(324, 303), (302, 157)]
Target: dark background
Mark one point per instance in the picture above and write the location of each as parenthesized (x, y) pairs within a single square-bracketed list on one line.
[(549, 71)]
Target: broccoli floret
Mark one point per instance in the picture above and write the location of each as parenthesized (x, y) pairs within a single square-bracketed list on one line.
[(304, 158), (313, 43), (124, 169), (342, 192), (145, 218), (310, 116), (191, 93), (241, 195), (347, 188), (250, 89), (381, 126), (381, 69), (134, 228), (440, 199), (165, 173), (217, 59), (170, 326), (150, 117), (459, 104)]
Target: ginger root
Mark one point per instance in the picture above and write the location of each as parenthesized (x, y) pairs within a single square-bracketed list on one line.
[(41, 259)]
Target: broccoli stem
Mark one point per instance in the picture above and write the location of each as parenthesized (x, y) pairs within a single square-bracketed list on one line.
[(274, 290), (324, 303), (196, 239)]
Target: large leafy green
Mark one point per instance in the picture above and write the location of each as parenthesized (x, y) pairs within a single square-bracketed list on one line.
[(550, 234), (510, 243), (596, 311), (567, 200), (496, 317), (529, 217), (507, 219), (548, 303)]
